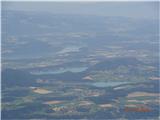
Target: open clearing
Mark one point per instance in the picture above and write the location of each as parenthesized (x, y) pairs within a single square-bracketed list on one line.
[(106, 105), (41, 91), (141, 94), (53, 102), (85, 103)]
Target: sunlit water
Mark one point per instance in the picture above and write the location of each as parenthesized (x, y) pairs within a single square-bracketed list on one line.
[(69, 49), (108, 84), (61, 70)]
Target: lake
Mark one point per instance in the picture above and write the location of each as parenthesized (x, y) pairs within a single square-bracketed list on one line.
[(61, 70), (108, 84)]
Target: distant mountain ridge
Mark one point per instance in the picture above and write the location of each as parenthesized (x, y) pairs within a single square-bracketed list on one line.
[(113, 63)]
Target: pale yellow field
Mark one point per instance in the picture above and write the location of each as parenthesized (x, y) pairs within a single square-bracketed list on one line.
[(88, 78), (41, 91), (84, 103), (106, 105), (53, 102), (141, 94)]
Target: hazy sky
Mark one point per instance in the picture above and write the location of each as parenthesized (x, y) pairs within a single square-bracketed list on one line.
[(147, 10)]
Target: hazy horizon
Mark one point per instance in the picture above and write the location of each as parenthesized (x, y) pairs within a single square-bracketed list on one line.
[(124, 9)]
